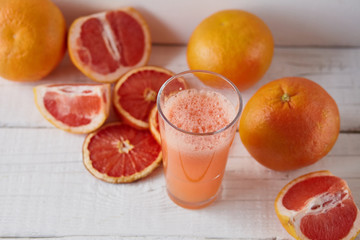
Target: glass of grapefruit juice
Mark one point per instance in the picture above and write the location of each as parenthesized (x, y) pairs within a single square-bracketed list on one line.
[(197, 127)]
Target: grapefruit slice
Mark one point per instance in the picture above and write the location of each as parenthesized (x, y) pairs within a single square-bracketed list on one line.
[(318, 206), (154, 124), (106, 45), (119, 153), (135, 94), (76, 108)]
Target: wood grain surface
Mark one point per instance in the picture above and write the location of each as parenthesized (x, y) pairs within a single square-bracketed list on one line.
[(46, 192)]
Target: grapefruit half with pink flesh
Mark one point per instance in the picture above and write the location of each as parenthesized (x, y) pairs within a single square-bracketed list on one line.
[(318, 206), (106, 45), (119, 153), (76, 108)]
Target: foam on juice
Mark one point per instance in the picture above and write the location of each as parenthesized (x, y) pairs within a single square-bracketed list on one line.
[(199, 111)]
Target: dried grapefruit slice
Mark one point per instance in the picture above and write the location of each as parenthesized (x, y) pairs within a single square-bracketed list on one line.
[(106, 45), (76, 108), (118, 153), (154, 124), (135, 94), (318, 206)]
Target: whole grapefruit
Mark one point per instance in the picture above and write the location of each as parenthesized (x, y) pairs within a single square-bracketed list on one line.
[(234, 43), (32, 39), (289, 123)]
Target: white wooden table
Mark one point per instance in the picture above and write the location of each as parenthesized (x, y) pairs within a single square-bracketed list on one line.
[(46, 192)]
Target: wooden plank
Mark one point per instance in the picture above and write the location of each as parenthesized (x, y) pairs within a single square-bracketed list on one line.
[(45, 187), (327, 23), (336, 70)]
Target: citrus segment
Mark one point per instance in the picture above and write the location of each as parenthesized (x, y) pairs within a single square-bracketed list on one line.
[(154, 124), (106, 45), (289, 123), (318, 206), (233, 43), (32, 37), (119, 153), (135, 94), (77, 108)]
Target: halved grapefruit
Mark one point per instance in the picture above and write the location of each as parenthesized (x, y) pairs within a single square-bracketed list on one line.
[(154, 124), (106, 45), (318, 206), (76, 108), (119, 153), (135, 94)]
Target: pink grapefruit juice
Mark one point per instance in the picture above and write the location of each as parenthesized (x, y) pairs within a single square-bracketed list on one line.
[(195, 156)]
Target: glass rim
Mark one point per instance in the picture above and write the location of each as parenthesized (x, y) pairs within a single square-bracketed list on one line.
[(233, 122)]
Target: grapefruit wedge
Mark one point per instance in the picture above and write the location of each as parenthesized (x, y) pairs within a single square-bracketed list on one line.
[(135, 94), (106, 45), (318, 206), (154, 124), (76, 108), (119, 153)]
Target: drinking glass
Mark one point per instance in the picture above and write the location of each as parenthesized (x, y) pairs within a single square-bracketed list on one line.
[(198, 116)]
